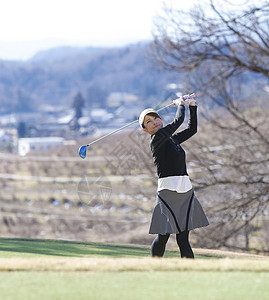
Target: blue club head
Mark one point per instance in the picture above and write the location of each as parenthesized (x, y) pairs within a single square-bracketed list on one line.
[(82, 151)]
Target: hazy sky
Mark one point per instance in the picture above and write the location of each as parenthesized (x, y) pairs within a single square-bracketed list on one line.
[(27, 26)]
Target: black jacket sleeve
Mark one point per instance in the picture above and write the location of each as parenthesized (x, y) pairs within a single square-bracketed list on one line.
[(162, 135), (191, 129), (169, 129)]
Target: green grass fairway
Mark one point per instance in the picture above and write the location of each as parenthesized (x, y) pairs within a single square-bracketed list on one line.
[(37, 248), (27, 248), (134, 285), (48, 269)]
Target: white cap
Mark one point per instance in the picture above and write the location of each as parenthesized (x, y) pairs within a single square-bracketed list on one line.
[(144, 113)]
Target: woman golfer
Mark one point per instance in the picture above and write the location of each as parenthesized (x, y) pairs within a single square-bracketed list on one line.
[(177, 210)]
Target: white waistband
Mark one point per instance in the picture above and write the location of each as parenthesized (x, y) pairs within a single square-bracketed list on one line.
[(180, 184)]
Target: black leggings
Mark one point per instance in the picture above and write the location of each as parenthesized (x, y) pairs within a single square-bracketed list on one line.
[(159, 243)]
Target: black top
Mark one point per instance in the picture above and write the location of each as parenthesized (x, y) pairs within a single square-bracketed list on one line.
[(168, 155)]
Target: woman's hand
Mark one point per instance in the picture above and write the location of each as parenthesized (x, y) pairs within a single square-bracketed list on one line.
[(185, 100), (192, 102), (189, 102), (177, 102)]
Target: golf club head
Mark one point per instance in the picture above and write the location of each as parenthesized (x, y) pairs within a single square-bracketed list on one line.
[(82, 151)]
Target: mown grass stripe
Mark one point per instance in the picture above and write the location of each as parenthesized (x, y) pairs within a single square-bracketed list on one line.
[(107, 264), (15, 247)]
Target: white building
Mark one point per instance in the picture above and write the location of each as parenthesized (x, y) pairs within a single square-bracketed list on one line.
[(38, 144), (116, 99)]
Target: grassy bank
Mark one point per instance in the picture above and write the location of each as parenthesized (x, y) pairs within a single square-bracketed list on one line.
[(49, 269)]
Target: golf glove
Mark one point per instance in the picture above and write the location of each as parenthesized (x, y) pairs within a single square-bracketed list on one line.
[(186, 98)]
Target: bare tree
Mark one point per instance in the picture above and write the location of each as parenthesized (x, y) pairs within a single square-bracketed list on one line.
[(238, 39), (223, 51)]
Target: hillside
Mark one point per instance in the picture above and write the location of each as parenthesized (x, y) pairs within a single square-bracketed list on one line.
[(56, 75)]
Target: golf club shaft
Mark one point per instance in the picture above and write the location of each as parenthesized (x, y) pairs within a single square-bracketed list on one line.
[(110, 133), (127, 125)]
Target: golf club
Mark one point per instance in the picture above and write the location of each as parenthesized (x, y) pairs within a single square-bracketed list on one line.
[(83, 149)]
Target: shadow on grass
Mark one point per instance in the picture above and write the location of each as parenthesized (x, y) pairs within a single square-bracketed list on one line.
[(14, 247), (68, 248)]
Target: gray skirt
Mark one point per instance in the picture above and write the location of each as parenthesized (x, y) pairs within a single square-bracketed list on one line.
[(176, 212)]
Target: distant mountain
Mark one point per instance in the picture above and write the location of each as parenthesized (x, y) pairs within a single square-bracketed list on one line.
[(60, 54), (55, 76)]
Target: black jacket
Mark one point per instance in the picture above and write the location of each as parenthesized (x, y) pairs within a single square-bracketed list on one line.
[(169, 156)]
